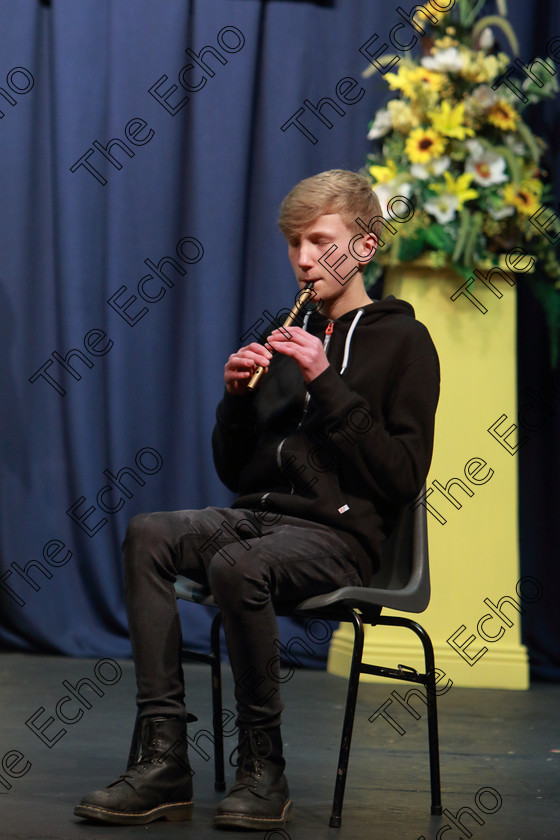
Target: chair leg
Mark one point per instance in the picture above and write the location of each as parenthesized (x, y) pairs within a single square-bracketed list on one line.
[(431, 696), (219, 772), (351, 697), (433, 738)]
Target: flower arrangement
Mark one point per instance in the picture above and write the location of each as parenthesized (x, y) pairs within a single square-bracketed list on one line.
[(460, 150)]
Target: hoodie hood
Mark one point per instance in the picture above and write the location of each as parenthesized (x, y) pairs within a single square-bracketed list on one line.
[(389, 305), (344, 328)]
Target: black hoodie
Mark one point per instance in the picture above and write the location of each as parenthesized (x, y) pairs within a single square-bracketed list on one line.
[(357, 448)]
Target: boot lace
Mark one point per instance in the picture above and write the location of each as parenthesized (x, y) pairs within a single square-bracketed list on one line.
[(253, 748), (149, 753)]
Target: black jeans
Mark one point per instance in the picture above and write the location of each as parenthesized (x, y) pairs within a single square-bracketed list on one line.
[(249, 559)]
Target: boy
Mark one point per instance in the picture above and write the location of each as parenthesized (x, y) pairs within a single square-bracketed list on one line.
[(336, 437)]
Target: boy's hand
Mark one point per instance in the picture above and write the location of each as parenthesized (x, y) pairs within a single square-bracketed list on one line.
[(306, 349), (241, 365)]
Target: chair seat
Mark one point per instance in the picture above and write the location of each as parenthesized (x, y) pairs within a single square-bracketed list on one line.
[(333, 604), (368, 600)]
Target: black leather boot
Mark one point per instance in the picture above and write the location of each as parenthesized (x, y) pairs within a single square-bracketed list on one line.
[(260, 798), (157, 783)]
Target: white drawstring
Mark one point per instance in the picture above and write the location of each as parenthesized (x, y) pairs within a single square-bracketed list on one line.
[(357, 317), (353, 326)]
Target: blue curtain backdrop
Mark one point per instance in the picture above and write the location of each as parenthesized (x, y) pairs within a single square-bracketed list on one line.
[(145, 148)]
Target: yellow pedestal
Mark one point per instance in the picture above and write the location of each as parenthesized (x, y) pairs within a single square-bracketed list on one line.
[(473, 554)]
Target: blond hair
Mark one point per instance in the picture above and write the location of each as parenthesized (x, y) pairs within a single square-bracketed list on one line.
[(335, 191)]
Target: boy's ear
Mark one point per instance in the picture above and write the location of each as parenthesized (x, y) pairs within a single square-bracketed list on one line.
[(363, 247), (371, 244)]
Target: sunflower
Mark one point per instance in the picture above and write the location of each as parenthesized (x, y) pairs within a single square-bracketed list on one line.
[(503, 115), (423, 144), (525, 197)]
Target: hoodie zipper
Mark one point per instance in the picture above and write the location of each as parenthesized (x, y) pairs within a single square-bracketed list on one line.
[(326, 341)]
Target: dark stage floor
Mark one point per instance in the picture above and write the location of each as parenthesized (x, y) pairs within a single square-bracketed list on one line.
[(500, 757)]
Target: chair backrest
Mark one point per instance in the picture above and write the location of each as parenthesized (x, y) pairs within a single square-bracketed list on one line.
[(402, 581), (403, 578)]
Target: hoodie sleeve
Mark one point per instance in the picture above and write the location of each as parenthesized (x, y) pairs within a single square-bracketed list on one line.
[(234, 437), (390, 453)]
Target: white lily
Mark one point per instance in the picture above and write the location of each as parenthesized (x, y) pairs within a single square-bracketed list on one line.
[(385, 192), (448, 60), (435, 167), (443, 208), (486, 167), (381, 124)]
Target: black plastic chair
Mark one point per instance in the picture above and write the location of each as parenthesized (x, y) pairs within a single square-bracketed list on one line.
[(401, 583)]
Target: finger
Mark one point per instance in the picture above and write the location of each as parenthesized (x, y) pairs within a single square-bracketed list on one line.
[(253, 347), (255, 351), (236, 361), (279, 342), (282, 335), (287, 348), (250, 359), (296, 334)]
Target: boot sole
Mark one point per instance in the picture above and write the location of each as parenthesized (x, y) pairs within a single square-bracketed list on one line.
[(234, 820), (173, 813)]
